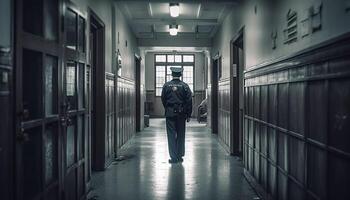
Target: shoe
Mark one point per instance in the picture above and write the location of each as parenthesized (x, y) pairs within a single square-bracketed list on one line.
[(172, 161), (180, 159)]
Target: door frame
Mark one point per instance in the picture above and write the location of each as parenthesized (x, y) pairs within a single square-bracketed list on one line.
[(98, 93), (7, 137), (237, 95), (138, 92), (215, 71)]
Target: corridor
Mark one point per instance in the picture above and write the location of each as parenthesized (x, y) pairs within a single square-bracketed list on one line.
[(207, 172), (85, 86)]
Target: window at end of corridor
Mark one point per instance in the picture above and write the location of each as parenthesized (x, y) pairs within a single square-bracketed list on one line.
[(163, 63)]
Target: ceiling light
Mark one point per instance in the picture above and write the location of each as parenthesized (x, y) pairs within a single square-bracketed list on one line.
[(174, 9), (173, 29)]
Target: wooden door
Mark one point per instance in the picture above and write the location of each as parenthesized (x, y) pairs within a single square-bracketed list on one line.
[(51, 119), (138, 93), (38, 126), (75, 113), (237, 95), (214, 95)]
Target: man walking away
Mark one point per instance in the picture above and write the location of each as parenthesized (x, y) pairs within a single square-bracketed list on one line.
[(177, 102)]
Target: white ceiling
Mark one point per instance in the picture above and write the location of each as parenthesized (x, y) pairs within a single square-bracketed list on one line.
[(198, 19)]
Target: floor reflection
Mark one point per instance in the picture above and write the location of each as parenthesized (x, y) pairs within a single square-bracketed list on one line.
[(206, 173)]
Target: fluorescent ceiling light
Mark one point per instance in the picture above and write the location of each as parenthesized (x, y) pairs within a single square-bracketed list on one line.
[(174, 9), (173, 29)]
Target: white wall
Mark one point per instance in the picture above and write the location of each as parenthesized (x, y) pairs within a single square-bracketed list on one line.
[(127, 51), (271, 15)]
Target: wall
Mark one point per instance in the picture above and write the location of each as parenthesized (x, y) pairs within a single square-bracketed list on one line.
[(286, 154), (199, 83), (103, 9), (271, 15), (127, 44), (118, 36), (296, 142)]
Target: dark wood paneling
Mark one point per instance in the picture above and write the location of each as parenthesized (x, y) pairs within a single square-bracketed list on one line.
[(126, 119), (111, 115), (224, 112), (297, 123)]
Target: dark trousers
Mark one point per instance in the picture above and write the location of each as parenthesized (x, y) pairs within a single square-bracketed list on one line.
[(176, 127)]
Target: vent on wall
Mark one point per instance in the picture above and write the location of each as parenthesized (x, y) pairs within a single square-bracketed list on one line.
[(291, 32)]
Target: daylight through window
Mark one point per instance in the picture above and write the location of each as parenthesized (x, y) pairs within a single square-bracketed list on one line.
[(164, 62)]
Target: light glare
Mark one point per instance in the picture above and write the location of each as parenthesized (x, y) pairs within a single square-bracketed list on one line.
[(174, 10), (173, 31)]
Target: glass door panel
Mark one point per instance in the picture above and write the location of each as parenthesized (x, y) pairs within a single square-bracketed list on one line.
[(71, 144), (51, 85), (71, 89), (32, 85)]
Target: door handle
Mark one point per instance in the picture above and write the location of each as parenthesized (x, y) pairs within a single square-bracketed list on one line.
[(22, 136), (69, 121), (24, 114), (63, 121)]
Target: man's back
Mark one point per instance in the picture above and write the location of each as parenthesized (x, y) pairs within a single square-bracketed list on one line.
[(177, 94)]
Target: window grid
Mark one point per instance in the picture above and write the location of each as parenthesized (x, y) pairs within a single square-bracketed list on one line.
[(163, 63)]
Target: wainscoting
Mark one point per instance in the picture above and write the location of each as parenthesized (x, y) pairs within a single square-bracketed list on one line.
[(297, 124), (224, 113), (126, 113), (110, 116)]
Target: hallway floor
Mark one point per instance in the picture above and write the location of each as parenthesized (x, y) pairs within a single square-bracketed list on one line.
[(207, 172)]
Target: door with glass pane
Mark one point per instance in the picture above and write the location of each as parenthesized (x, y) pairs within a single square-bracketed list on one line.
[(38, 125), (74, 110)]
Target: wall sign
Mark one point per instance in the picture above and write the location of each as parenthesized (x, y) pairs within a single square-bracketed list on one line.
[(305, 23), (119, 63), (274, 38), (316, 16), (291, 31)]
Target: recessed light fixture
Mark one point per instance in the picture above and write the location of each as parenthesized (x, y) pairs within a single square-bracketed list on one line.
[(173, 29), (174, 9)]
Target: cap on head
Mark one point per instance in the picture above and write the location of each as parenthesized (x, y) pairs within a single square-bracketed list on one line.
[(176, 71)]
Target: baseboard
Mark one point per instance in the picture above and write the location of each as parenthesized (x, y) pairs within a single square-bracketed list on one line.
[(225, 147), (261, 192)]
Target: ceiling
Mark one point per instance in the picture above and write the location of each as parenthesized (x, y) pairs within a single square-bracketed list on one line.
[(198, 19)]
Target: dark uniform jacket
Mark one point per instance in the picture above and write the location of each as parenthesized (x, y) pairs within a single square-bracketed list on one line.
[(177, 99)]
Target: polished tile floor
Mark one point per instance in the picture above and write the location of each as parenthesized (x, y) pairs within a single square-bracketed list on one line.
[(207, 172)]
